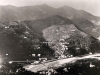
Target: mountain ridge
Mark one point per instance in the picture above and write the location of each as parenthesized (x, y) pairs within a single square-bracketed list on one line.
[(42, 11)]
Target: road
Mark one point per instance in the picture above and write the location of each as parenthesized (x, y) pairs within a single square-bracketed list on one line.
[(59, 63)]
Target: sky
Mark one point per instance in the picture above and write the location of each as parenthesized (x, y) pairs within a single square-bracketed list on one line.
[(92, 6)]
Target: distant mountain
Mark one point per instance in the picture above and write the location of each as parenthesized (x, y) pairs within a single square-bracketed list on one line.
[(71, 13), (12, 13), (82, 19)]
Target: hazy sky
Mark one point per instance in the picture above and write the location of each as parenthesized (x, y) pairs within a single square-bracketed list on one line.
[(92, 6)]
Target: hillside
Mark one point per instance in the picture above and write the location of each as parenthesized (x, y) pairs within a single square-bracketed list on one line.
[(18, 42), (68, 40), (48, 29), (25, 37), (87, 27), (40, 24)]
